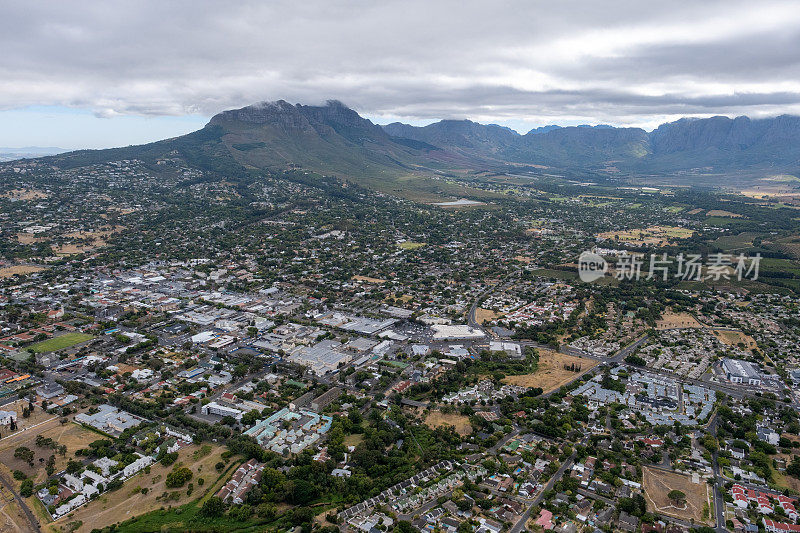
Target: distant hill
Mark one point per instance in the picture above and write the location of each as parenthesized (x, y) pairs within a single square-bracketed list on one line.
[(334, 139), (722, 143), (10, 154)]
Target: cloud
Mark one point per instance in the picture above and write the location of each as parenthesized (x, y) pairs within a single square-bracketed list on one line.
[(626, 62)]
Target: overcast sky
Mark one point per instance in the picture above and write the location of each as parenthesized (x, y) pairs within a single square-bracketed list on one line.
[(98, 74)]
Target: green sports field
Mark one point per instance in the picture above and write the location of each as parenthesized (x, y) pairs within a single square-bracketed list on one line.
[(60, 342)]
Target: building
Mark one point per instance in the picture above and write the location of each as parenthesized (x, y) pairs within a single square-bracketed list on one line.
[(738, 371), (325, 399), (7, 417), (214, 408)]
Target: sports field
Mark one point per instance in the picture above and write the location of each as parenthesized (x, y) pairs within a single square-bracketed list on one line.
[(61, 342)]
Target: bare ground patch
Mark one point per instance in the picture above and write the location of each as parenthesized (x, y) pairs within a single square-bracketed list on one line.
[(551, 373), (658, 483), (7, 272), (672, 320), (733, 338), (459, 422), (485, 315)]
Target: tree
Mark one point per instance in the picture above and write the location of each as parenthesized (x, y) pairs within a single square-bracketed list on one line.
[(25, 454), (26, 489), (213, 507), (677, 496), (178, 477), (404, 526)]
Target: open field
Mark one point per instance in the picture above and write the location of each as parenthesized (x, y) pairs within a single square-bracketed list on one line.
[(30, 238), (61, 342), (409, 245), (551, 373), (368, 279), (721, 213), (24, 194), (127, 502), (654, 235), (672, 320), (71, 435), (733, 338), (658, 483), (7, 272), (459, 422), (12, 519), (484, 315)]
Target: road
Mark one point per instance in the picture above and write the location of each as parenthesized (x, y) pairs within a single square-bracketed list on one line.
[(719, 502), (34, 523), (520, 525)]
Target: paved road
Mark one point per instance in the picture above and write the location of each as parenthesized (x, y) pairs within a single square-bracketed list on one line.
[(34, 523), (520, 525), (719, 502)]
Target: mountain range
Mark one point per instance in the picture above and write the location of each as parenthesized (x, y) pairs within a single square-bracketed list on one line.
[(334, 139)]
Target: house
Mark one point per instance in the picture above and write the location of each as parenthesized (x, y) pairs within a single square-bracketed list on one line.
[(545, 520), (767, 434), (780, 527), (627, 522)]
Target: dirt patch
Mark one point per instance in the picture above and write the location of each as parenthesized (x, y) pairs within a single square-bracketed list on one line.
[(486, 315), (696, 211), (672, 320), (658, 483), (12, 519), (733, 338), (551, 373), (25, 194), (29, 238), (7, 272), (71, 435), (128, 501), (459, 422), (654, 235), (369, 279)]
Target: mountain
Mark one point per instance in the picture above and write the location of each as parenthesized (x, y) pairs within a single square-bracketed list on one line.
[(334, 139), (720, 142), (331, 138), (10, 154)]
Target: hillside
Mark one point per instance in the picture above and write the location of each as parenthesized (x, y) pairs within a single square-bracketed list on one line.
[(334, 139)]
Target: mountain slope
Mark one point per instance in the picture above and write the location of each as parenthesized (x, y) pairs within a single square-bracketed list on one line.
[(722, 143), (334, 139)]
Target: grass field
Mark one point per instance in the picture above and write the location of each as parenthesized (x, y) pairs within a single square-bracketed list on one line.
[(409, 245), (654, 235), (677, 320), (60, 342), (551, 373), (721, 213), (658, 483), (484, 315), (368, 279), (127, 502), (7, 272), (733, 338), (71, 435), (459, 422)]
